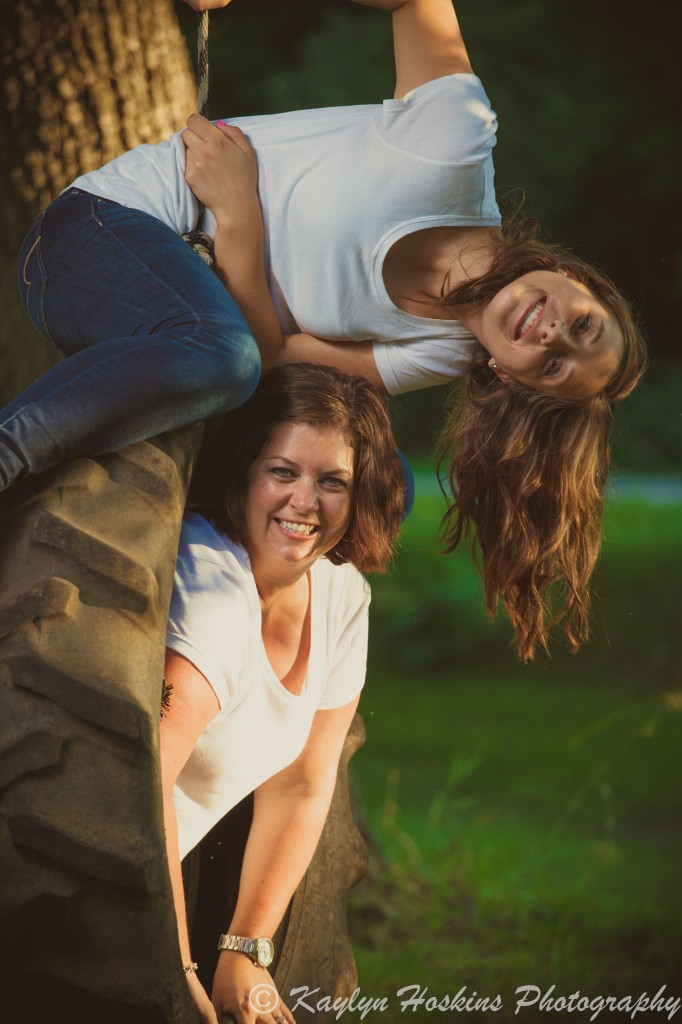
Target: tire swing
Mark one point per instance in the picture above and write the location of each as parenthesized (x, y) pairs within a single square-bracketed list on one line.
[(87, 925)]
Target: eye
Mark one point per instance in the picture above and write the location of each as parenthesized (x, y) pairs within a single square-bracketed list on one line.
[(583, 325), (553, 367), (334, 482), (283, 472)]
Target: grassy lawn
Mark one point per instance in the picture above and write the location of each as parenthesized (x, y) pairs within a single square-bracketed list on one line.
[(524, 821)]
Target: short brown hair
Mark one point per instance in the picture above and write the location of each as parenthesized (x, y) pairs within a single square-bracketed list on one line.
[(318, 396)]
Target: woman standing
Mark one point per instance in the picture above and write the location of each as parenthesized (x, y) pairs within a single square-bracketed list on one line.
[(267, 642)]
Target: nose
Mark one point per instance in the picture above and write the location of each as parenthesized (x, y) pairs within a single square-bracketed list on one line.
[(304, 496), (551, 331)]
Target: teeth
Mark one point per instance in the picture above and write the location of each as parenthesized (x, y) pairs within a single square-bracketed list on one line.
[(306, 528), (532, 317)]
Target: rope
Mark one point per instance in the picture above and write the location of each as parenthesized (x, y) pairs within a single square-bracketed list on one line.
[(199, 241), (202, 63)]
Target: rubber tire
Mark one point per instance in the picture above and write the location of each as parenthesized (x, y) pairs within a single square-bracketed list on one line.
[(86, 914)]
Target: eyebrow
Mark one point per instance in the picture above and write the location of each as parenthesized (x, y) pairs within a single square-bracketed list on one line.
[(296, 465)]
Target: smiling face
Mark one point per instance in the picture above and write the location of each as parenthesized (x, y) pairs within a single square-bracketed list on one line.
[(550, 333), (298, 500)]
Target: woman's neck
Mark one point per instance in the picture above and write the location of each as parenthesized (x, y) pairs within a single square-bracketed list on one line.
[(285, 628), (425, 264), (279, 588)]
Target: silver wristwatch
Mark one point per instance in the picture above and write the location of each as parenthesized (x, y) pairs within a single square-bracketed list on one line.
[(261, 952)]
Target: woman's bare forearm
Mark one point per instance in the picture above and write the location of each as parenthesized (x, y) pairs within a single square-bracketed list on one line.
[(383, 5), (240, 265), (288, 817), (221, 168), (355, 357), (282, 841), (172, 849), (427, 41)]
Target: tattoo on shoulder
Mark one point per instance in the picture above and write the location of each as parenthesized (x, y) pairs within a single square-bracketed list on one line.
[(166, 698)]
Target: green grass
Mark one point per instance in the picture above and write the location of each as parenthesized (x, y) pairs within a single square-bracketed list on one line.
[(524, 822)]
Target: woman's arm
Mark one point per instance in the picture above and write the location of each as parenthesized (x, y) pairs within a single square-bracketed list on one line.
[(222, 170), (290, 810), (192, 705), (427, 41), (348, 356), (206, 5)]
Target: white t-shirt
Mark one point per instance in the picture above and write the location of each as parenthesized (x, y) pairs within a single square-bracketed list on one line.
[(338, 187), (215, 622)]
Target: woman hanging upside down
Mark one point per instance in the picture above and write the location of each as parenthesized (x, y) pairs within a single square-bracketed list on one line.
[(366, 238)]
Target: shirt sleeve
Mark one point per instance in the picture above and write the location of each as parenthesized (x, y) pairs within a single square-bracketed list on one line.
[(348, 658), (205, 617), (448, 120), (422, 363)]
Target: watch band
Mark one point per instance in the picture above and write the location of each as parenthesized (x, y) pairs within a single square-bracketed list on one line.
[(260, 951), (238, 943)]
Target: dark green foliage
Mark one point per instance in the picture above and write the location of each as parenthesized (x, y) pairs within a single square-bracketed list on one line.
[(648, 426)]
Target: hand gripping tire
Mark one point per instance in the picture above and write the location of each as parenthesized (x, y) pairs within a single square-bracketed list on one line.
[(87, 928)]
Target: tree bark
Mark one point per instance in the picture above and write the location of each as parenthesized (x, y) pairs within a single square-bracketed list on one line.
[(82, 81)]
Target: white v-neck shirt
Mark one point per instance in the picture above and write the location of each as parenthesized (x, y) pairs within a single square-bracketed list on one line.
[(215, 622)]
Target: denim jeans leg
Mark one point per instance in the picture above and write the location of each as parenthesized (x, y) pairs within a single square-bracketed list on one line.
[(152, 339)]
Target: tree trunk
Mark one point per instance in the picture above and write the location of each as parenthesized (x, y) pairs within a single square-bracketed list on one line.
[(83, 81)]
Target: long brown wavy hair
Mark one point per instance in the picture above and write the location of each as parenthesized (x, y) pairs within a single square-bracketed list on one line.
[(524, 472)]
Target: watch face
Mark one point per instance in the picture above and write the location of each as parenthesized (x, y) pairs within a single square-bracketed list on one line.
[(266, 952)]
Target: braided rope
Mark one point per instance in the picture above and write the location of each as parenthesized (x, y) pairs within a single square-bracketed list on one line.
[(202, 63), (197, 239)]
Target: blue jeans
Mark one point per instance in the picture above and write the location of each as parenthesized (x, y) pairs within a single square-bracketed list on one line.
[(151, 337)]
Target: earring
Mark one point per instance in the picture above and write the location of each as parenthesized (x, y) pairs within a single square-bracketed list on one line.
[(492, 364)]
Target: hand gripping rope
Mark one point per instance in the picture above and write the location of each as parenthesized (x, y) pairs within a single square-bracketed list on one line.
[(199, 240)]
